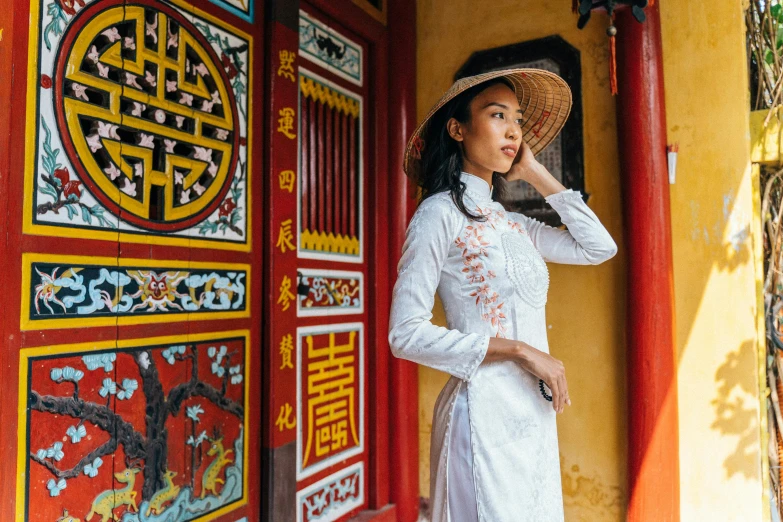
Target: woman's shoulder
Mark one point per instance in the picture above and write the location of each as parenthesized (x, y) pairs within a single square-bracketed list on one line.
[(438, 205), (438, 211)]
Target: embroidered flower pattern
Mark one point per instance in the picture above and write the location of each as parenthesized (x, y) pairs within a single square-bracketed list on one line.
[(474, 249)]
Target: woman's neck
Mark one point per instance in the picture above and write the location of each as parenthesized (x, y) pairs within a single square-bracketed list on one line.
[(477, 170)]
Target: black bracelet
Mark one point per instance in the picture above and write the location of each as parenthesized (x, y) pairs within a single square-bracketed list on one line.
[(543, 392)]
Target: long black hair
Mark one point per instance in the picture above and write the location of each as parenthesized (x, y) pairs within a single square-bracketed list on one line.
[(441, 160)]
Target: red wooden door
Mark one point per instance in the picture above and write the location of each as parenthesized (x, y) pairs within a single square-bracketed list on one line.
[(132, 261), (327, 379)]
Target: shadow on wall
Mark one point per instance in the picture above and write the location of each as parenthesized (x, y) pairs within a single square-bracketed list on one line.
[(736, 409)]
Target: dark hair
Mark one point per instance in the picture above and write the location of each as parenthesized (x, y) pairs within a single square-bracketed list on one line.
[(441, 161)]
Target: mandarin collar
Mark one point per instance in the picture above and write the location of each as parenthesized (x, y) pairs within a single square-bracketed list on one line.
[(479, 189)]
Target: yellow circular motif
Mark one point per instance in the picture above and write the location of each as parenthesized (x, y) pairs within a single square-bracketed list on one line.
[(146, 114)]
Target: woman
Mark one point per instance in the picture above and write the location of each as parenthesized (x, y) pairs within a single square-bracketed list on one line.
[(494, 455)]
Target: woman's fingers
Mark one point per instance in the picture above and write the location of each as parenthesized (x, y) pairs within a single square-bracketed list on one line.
[(559, 390), (563, 391), (555, 394)]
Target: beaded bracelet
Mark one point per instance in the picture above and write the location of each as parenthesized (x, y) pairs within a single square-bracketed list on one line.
[(543, 392)]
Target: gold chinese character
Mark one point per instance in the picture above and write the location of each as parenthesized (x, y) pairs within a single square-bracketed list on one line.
[(284, 420), (286, 122), (287, 180), (286, 348), (285, 236), (285, 294), (331, 396), (286, 68)]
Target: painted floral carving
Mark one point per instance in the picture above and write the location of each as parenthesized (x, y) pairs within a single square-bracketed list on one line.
[(107, 430)]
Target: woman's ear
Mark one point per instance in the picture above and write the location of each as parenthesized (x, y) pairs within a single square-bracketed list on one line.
[(454, 129)]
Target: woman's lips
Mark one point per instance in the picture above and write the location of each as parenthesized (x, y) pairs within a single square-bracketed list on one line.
[(508, 151)]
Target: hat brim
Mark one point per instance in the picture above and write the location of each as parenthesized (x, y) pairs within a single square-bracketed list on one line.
[(544, 97)]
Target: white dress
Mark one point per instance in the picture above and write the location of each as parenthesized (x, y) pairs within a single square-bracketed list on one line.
[(494, 454)]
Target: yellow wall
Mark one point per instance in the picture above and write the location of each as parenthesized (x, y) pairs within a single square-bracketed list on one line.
[(714, 257), (716, 252), (585, 306)]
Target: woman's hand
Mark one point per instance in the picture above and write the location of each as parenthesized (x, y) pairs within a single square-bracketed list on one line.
[(525, 166), (550, 370), (539, 363)]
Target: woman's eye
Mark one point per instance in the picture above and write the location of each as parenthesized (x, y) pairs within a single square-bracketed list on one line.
[(499, 114), (519, 122)]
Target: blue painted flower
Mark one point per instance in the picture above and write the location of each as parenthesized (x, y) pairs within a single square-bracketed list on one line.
[(91, 470), (194, 411), (56, 451), (105, 360), (217, 369), (56, 374), (171, 352), (55, 487), (236, 376), (76, 433), (71, 374), (41, 454), (128, 387), (109, 387), (198, 440)]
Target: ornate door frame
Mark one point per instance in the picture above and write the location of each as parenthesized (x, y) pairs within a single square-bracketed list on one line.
[(345, 25)]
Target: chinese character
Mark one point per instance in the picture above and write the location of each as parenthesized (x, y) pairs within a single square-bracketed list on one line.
[(331, 396), (285, 236), (285, 294), (286, 347), (287, 65), (539, 124), (287, 180), (286, 122), (283, 420)]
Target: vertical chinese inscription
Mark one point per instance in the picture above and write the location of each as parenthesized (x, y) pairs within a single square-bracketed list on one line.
[(331, 402)]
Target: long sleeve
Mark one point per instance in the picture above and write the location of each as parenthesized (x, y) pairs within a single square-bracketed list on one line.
[(412, 335), (586, 242)]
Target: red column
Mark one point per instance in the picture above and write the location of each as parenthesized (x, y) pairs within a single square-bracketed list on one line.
[(653, 450), (404, 393)]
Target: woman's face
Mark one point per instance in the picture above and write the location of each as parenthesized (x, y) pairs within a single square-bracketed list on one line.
[(492, 137)]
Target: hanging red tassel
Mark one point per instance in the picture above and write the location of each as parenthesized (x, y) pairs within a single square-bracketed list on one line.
[(612, 65)]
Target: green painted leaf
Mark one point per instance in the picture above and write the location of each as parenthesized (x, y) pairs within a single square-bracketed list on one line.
[(86, 216)]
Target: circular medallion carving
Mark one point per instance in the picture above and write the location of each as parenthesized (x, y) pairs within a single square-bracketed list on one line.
[(526, 268), (146, 113)]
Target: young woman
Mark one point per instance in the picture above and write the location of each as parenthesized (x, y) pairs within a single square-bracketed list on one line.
[(494, 455)]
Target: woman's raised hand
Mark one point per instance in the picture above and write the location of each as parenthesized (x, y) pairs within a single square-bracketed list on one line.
[(525, 165)]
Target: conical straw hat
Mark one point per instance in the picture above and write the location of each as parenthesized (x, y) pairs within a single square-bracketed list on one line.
[(544, 97)]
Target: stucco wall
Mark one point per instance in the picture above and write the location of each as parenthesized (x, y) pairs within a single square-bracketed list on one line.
[(715, 257), (715, 238)]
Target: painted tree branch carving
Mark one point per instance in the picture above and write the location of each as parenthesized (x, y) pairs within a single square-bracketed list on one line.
[(161, 399)]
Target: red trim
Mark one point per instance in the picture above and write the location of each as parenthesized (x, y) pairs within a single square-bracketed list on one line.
[(386, 514), (404, 375), (74, 30), (653, 448), (12, 52), (379, 473)]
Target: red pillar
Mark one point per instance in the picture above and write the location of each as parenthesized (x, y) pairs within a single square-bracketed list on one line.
[(653, 449), (404, 393)]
